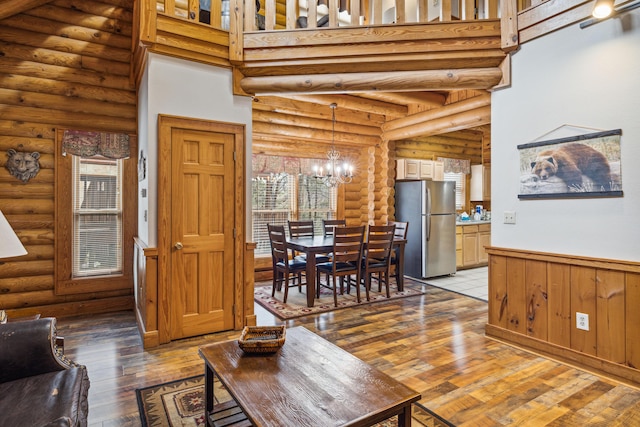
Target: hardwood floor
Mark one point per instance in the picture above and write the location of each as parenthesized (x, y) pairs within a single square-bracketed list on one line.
[(434, 344)]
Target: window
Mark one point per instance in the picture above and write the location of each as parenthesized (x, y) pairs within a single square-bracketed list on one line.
[(96, 203), (97, 216), (460, 179), (280, 193)]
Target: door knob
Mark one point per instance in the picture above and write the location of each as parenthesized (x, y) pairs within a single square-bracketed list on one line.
[(178, 245)]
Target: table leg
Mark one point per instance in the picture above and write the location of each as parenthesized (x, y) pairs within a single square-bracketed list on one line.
[(208, 394), (311, 278), (400, 267), (404, 417)]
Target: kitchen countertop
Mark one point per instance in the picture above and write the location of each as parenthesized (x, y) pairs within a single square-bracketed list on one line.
[(473, 222)]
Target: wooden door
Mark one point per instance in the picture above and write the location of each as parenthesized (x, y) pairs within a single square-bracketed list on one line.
[(200, 264)]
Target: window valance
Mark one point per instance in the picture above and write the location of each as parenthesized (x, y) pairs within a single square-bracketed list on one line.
[(88, 144), (266, 164), (456, 165)]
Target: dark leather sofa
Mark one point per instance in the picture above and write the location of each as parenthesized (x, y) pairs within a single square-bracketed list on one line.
[(39, 386)]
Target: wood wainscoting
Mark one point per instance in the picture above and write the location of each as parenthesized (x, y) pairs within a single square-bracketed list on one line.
[(146, 294), (146, 286), (534, 298)]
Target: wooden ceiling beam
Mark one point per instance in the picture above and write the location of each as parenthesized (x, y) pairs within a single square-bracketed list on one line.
[(10, 8), (435, 99), (355, 103), (303, 106), (393, 81), (426, 116), (315, 135), (462, 120)]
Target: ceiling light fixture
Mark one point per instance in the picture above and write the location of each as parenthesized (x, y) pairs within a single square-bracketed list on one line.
[(334, 174), (602, 8)]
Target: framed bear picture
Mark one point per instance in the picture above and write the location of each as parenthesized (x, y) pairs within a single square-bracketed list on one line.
[(586, 165)]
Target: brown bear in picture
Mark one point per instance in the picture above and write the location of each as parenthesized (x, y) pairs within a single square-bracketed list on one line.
[(570, 162)]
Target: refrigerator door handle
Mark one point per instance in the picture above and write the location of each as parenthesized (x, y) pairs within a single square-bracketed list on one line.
[(428, 216), (427, 220)]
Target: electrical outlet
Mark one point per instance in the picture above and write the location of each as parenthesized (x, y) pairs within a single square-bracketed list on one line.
[(582, 321), (509, 217)]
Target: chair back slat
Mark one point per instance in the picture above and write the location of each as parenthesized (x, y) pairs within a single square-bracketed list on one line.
[(329, 225), (401, 229), (301, 228), (277, 238), (347, 244), (379, 243)]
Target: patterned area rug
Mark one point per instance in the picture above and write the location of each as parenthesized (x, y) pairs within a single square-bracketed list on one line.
[(296, 305), (181, 403)]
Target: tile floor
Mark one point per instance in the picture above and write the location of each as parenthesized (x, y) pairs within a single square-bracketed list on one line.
[(472, 282)]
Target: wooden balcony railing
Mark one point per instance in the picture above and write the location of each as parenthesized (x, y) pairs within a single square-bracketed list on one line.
[(361, 44), (285, 14)]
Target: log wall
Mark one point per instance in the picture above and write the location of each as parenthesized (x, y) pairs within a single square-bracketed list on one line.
[(534, 298), (64, 64)]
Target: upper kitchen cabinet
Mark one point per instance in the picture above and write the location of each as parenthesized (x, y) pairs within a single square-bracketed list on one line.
[(419, 169), (480, 183)]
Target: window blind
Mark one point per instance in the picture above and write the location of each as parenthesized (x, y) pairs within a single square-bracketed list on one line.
[(97, 216), (460, 179)]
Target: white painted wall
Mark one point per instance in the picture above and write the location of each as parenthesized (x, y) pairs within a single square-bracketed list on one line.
[(582, 77), (188, 89), (143, 147)]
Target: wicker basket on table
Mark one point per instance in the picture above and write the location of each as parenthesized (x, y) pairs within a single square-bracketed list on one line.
[(262, 339)]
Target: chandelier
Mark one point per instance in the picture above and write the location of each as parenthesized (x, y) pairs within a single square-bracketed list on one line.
[(335, 174)]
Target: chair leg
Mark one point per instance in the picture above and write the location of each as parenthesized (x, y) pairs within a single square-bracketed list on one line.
[(367, 285), (286, 288), (386, 282), (335, 294), (274, 283)]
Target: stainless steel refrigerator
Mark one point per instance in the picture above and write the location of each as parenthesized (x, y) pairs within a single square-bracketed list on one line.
[(430, 209)]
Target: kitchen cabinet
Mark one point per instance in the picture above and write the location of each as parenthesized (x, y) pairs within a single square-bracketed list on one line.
[(480, 188), (470, 243), (459, 247), (407, 169), (419, 169), (484, 239), (438, 171)]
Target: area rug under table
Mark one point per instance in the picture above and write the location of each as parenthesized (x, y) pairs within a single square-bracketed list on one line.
[(296, 305), (181, 403)]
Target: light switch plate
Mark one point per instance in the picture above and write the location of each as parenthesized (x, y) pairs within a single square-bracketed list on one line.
[(509, 217)]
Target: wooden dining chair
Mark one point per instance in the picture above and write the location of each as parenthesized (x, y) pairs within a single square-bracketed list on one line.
[(328, 225), (377, 257), (300, 229), (400, 233), (304, 229), (283, 266), (346, 260)]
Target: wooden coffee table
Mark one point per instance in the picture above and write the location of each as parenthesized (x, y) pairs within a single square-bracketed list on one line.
[(308, 382)]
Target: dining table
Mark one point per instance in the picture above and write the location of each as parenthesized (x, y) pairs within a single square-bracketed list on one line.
[(315, 245)]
